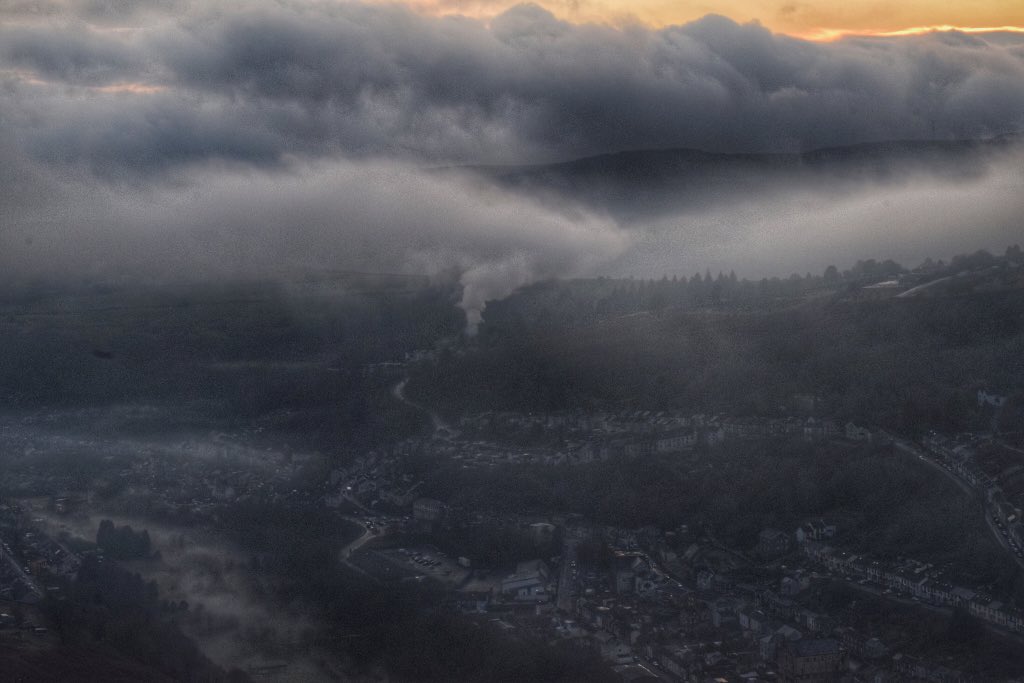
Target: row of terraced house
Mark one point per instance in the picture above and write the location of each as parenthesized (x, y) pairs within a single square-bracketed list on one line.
[(922, 581)]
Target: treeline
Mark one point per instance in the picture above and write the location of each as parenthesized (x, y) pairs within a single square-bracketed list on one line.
[(122, 543), (561, 302), (115, 615)]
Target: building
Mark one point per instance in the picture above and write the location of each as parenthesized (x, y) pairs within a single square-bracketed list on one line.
[(772, 543), (810, 661), (855, 433), (815, 530), (676, 441), (529, 582), (542, 532), (986, 398), (427, 509)]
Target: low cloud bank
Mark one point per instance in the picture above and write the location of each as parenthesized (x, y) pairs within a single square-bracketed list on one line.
[(167, 138)]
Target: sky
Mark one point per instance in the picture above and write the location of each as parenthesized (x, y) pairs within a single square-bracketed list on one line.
[(817, 20), (174, 138)]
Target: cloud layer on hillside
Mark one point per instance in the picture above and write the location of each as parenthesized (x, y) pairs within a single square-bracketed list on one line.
[(159, 136)]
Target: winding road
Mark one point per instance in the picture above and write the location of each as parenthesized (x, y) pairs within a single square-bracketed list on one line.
[(345, 554), (442, 430), (966, 488)]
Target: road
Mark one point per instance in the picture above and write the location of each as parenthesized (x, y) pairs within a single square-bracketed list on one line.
[(345, 553), (923, 457), (724, 548), (966, 488), (25, 577), (442, 429), (567, 577), (1003, 540)]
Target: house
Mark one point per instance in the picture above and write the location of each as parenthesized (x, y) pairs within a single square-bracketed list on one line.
[(723, 612), (617, 652), (754, 621), (677, 660), (880, 290), (772, 543), (815, 530), (793, 585), (714, 434), (636, 449), (855, 433), (962, 596), (986, 398), (675, 441), (813, 430), (542, 532), (771, 643), (749, 428), (705, 579), (918, 669), (775, 605), (472, 601), (631, 573), (813, 621), (874, 649)]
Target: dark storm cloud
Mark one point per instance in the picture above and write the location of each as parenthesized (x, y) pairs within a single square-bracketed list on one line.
[(156, 133), (104, 12), (344, 78), (562, 89), (81, 57)]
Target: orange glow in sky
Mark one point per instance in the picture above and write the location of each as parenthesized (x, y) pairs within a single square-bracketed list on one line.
[(811, 19), (836, 34), (130, 88)]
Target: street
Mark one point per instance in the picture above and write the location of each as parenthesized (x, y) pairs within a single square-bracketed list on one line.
[(966, 488)]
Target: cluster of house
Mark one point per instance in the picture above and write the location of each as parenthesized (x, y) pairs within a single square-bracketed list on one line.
[(588, 438), (1004, 273), (638, 616), (16, 584), (374, 478), (719, 629), (958, 458), (921, 581), (714, 431), (702, 615), (26, 554), (178, 479)]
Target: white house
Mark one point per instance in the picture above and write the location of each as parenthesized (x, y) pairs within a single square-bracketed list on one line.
[(528, 583), (986, 398)]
